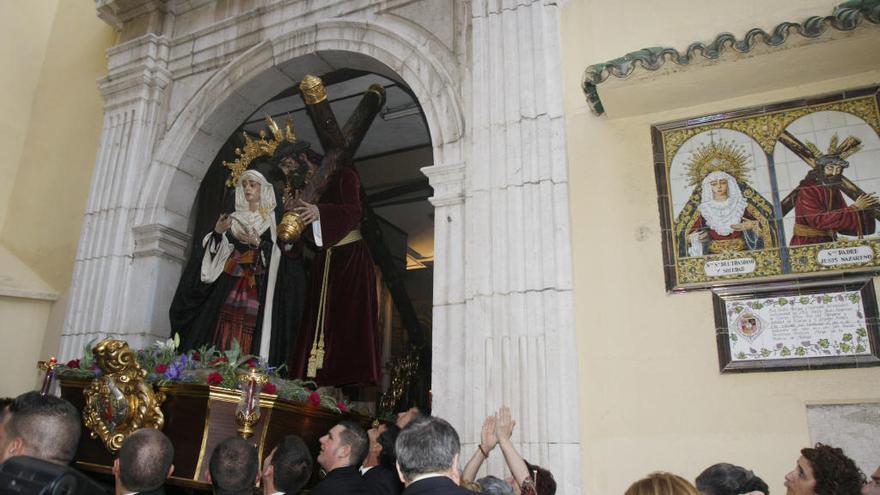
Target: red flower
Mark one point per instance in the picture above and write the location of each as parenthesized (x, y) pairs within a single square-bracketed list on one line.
[(270, 388), (341, 405), (73, 363), (315, 399), (215, 378), (252, 363), (160, 368), (196, 356)]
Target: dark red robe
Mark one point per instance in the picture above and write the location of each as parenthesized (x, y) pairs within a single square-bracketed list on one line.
[(823, 208), (351, 330)]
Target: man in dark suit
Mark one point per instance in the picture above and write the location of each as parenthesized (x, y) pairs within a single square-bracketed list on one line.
[(343, 449), (288, 468), (144, 463), (378, 470), (427, 458), (41, 426)]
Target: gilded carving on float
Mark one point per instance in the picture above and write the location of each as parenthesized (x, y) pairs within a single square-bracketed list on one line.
[(120, 401)]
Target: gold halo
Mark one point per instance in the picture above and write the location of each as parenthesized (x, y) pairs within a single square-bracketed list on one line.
[(254, 148), (725, 156)]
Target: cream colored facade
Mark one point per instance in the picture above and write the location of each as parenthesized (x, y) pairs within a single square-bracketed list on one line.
[(52, 53), (651, 396)]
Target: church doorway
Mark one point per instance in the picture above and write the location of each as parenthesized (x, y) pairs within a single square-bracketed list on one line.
[(398, 221)]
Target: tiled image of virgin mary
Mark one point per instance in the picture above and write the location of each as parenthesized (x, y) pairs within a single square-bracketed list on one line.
[(723, 213)]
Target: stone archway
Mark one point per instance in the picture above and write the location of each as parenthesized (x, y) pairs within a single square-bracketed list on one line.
[(490, 88), (160, 229)]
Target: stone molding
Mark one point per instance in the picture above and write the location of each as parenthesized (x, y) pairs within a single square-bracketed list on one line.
[(159, 240), (118, 12), (447, 182)]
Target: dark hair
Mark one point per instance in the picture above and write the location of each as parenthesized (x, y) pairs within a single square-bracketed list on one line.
[(728, 479), (292, 150), (825, 160), (355, 436), (49, 426), (234, 467), (545, 484), (833, 470), (144, 460), (427, 445), (386, 439), (292, 463)]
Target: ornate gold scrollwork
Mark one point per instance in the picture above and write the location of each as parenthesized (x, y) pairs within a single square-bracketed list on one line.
[(120, 401)]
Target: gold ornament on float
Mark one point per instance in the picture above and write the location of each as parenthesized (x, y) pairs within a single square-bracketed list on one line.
[(120, 401)]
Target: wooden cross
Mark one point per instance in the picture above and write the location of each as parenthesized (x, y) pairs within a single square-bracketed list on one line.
[(847, 186), (339, 145)]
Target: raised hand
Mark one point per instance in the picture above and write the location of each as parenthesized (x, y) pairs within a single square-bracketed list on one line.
[(504, 424), (488, 440)]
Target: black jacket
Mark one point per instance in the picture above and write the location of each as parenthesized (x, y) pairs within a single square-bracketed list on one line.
[(382, 481), (342, 481), (440, 485)]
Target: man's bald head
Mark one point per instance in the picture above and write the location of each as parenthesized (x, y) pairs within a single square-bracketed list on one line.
[(145, 460), (42, 426)]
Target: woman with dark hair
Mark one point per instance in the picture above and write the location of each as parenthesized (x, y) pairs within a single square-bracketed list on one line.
[(824, 470), (728, 479)]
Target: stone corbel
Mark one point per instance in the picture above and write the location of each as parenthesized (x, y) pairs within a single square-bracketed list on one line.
[(162, 241), (448, 183)]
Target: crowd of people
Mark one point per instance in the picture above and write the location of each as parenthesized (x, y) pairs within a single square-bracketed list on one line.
[(418, 454)]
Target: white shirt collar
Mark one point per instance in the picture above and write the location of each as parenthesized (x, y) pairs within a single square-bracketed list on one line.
[(429, 475), (364, 469)]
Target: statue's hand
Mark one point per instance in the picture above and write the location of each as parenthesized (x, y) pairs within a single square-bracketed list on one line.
[(866, 201), (745, 225), (307, 211), (223, 223)]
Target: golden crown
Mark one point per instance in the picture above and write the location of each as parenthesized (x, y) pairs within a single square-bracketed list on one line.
[(254, 148), (848, 147), (725, 156)]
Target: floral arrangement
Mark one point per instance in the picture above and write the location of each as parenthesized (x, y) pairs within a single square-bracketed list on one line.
[(207, 365)]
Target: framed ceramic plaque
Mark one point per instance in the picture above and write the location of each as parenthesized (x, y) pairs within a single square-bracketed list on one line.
[(777, 192), (803, 327)]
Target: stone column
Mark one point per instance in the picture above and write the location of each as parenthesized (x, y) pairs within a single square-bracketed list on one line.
[(517, 341), (134, 94)]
